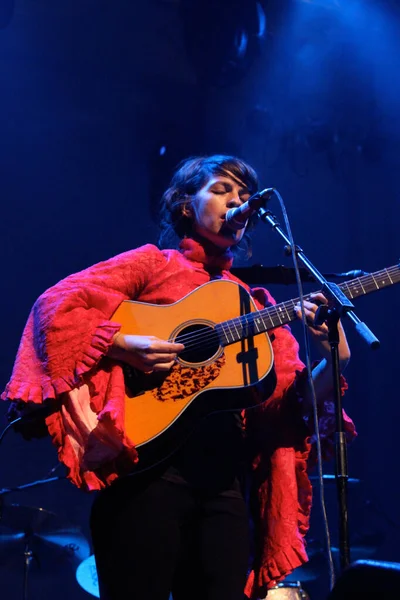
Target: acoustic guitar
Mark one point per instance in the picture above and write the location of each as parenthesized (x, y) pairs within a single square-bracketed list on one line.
[(227, 363)]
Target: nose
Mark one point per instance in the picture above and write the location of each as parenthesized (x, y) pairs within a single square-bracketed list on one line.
[(234, 201)]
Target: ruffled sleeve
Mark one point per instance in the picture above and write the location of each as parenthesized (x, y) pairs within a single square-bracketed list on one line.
[(69, 328)]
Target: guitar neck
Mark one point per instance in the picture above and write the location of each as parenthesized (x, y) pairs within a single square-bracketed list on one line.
[(264, 320)]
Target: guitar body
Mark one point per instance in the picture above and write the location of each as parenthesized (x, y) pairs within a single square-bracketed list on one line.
[(162, 409)]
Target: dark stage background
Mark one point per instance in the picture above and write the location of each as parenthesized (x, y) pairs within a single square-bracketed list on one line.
[(100, 100)]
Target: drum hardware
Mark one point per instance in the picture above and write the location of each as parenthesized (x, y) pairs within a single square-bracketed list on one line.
[(329, 478), (86, 576), (287, 591), (31, 535)]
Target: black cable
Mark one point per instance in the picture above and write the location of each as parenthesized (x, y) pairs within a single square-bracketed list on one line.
[(11, 424)]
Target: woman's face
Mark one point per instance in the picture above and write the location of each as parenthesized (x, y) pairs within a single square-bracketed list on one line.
[(210, 205)]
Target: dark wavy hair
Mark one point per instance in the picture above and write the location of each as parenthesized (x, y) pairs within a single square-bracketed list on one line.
[(190, 176)]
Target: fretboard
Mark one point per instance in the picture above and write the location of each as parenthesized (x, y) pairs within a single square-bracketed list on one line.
[(257, 322)]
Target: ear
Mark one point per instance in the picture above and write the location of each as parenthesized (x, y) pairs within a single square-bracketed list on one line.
[(187, 211)]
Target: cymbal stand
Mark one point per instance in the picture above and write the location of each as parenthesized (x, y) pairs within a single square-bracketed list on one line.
[(28, 557), (28, 553)]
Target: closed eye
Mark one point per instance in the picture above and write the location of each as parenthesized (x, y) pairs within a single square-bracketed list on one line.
[(226, 188)]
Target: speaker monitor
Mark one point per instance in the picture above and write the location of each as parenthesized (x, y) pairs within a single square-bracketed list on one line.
[(368, 580)]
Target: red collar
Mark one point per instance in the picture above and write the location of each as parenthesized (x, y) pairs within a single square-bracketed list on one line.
[(201, 252)]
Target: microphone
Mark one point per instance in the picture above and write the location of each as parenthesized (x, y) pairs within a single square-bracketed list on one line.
[(236, 218)]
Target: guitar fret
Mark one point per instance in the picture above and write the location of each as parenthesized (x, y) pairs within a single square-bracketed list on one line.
[(257, 324), (249, 324), (233, 333), (349, 290), (228, 341), (390, 279), (293, 303), (270, 317), (362, 287), (236, 330), (287, 313), (377, 286)]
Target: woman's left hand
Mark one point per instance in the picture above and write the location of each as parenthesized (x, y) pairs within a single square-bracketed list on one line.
[(320, 332)]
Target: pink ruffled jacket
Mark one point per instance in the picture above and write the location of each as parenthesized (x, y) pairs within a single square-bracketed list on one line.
[(62, 355)]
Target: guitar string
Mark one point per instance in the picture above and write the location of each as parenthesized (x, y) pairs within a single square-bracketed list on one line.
[(194, 339), (274, 312)]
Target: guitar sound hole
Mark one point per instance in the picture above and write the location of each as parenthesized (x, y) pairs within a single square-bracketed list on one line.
[(201, 343)]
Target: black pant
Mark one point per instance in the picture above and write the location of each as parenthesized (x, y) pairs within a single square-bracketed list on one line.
[(162, 536)]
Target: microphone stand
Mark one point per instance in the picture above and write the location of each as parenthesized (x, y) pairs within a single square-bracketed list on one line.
[(339, 306)]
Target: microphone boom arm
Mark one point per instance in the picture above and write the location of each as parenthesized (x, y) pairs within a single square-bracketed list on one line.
[(331, 290)]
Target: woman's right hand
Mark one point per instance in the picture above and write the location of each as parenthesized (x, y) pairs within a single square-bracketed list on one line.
[(146, 353)]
